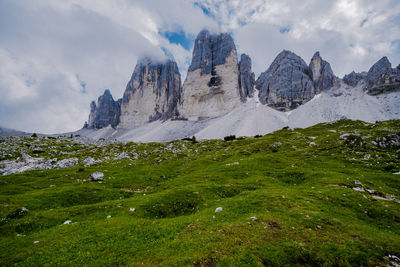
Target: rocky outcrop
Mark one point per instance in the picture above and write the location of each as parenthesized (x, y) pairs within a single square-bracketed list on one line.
[(211, 86), (381, 78), (321, 73), (353, 78), (105, 112), (246, 78), (151, 94), (287, 82)]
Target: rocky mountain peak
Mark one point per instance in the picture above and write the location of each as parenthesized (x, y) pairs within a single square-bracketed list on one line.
[(211, 50), (381, 78), (246, 78), (287, 83), (381, 68), (352, 78), (152, 93), (105, 112), (321, 73), (211, 86)]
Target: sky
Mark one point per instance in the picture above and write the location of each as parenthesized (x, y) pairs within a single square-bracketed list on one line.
[(56, 56)]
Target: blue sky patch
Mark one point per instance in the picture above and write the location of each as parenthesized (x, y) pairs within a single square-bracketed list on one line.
[(363, 22), (180, 38), (82, 84), (205, 10), (284, 30)]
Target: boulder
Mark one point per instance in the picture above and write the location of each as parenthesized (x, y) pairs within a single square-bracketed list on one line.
[(96, 176)]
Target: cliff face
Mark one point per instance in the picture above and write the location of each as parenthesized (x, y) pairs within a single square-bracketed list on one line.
[(105, 112), (246, 78), (380, 78), (321, 73), (353, 78), (286, 84), (211, 86), (289, 82), (151, 94)]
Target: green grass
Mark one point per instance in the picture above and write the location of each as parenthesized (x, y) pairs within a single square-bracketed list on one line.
[(307, 212)]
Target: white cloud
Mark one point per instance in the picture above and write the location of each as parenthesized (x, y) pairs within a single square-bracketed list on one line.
[(47, 48)]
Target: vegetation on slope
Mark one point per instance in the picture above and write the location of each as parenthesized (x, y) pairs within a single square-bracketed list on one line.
[(325, 195)]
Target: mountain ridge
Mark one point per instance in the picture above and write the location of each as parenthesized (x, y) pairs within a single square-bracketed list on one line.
[(217, 83)]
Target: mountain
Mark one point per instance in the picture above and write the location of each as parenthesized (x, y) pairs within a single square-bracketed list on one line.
[(246, 78), (286, 84), (11, 132), (151, 94), (321, 73), (211, 87), (218, 96), (382, 78), (105, 112)]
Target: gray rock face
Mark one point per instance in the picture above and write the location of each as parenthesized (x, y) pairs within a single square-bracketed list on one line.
[(246, 78), (379, 70), (151, 94), (353, 78), (211, 50), (381, 78), (211, 86), (287, 82), (106, 112), (321, 73)]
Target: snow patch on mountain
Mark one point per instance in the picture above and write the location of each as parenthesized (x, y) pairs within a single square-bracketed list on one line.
[(252, 118)]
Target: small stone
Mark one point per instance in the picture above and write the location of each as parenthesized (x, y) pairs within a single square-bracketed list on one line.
[(67, 222), (253, 218), (109, 216), (359, 189), (219, 209), (132, 209), (96, 176), (35, 242), (357, 182)]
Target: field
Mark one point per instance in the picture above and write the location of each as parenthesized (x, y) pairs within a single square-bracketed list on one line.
[(324, 195)]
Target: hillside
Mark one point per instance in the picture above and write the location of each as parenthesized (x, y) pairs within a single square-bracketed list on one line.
[(323, 195), (252, 118)]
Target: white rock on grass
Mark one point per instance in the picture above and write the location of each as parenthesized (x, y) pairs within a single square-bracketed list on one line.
[(254, 218), (357, 182), (219, 209), (65, 163), (89, 161), (132, 209), (67, 222), (109, 216), (123, 155), (96, 176), (359, 189)]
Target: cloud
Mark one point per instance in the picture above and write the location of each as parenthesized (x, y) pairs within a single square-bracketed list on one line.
[(57, 56)]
